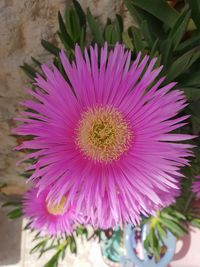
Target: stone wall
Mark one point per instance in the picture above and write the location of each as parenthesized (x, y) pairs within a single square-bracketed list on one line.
[(22, 25)]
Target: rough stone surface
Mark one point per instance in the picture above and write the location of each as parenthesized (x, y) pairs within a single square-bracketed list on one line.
[(102, 9), (22, 25)]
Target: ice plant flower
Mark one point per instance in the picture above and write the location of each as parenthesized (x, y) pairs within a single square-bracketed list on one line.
[(196, 186), (105, 135), (48, 217)]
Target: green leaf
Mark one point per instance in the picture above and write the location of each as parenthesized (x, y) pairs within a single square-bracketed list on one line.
[(82, 39), (119, 27), (15, 214), (29, 71), (127, 40), (94, 28), (50, 47), (73, 25), (195, 222), (155, 26), (152, 238), (189, 44), (81, 231), (27, 226), (178, 214), (11, 203), (195, 6), (153, 242), (63, 34), (62, 39), (111, 35), (108, 34), (161, 231), (80, 12), (175, 228), (119, 23), (38, 246), (38, 63), (137, 39), (148, 36), (158, 8), (181, 65), (146, 244), (116, 36), (53, 261), (63, 254), (73, 246), (166, 215), (166, 52), (194, 110), (190, 80), (154, 49), (179, 27), (192, 93)]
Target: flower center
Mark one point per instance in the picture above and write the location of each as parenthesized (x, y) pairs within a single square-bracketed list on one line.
[(57, 209), (103, 134)]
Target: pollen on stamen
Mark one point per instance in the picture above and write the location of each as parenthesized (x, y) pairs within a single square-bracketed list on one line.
[(102, 134), (58, 208)]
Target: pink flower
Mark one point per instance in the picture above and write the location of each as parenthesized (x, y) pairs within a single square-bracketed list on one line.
[(196, 186), (47, 217), (105, 135)]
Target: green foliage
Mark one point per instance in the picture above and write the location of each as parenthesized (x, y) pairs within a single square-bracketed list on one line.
[(136, 37), (195, 7), (29, 71), (168, 219), (98, 38), (16, 211), (59, 245), (165, 32), (180, 26), (50, 47), (158, 8)]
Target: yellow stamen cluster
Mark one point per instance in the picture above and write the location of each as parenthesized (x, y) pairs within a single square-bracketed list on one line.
[(57, 209), (103, 134)]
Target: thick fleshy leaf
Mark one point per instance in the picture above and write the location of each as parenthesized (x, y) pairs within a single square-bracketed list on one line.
[(179, 27), (195, 7), (94, 28), (158, 8)]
